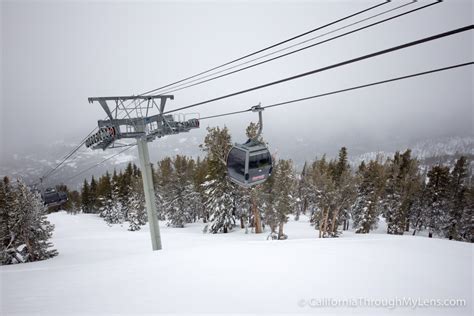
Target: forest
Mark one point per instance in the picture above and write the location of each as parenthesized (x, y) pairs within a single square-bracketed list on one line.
[(438, 200), (411, 199)]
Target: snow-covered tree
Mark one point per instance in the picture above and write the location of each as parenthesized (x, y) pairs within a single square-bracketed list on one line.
[(467, 227), (321, 194), (179, 208), (74, 198), (112, 210), (137, 216), (283, 197), (218, 190), (86, 200), (331, 192), (28, 229), (366, 210), (220, 203), (453, 225), (199, 177), (8, 205), (162, 188), (437, 197), (302, 192), (401, 189)]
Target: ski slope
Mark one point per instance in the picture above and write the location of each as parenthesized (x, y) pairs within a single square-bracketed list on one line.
[(109, 270)]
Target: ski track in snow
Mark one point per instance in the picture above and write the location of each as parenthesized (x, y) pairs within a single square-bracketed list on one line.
[(109, 270)]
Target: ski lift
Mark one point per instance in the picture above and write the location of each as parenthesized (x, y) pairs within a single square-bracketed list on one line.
[(52, 198), (250, 163)]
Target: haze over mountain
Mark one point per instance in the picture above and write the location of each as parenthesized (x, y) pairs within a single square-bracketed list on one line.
[(31, 166), (57, 54)]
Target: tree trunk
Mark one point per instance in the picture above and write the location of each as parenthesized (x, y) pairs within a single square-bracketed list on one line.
[(334, 220), (280, 230), (256, 216), (321, 221), (325, 224), (242, 225), (30, 249)]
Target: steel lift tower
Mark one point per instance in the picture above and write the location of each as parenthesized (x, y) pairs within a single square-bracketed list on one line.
[(138, 121)]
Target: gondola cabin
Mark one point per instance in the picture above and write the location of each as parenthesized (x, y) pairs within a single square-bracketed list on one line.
[(249, 164), (53, 198)]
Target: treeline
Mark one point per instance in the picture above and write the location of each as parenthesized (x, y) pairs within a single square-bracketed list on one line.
[(24, 229), (334, 195), (118, 198), (439, 200)]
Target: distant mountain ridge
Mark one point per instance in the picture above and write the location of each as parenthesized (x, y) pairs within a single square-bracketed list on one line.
[(432, 151)]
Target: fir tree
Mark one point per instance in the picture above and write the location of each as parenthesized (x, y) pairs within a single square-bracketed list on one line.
[(137, 216), (283, 191), (218, 190), (344, 194), (93, 196), (365, 210), (85, 198), (403, 184), (302, 191), (467, 227), (179, 209), (163, 189), (199, 177), (28, 229), (74, 197), (453, 219), (437, 196), (112, 210), (322, 194), (8, 206)]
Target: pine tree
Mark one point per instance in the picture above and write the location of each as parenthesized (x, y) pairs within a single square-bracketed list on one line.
[(137, 215), (218, 190), (365, 210), (199, 177), (104, 189), (8, 206), (403, 184), (162, 188), (179, 208), (302, 191), (93, 196), (322, 194), (29, 230), (344, 194), (112, 210), (74, 197), (268, 196), (437, 196), (85, 198), (467, 219), (453, 220), (283, 191), (220, 203), (124, 186)]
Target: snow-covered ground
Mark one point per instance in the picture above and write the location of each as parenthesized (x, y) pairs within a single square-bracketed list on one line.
[(109, 270)]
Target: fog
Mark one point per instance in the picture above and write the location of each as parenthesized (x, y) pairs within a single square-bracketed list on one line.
[(57, 54)]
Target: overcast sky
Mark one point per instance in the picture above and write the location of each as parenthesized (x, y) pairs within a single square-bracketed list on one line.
[(57, 54)]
